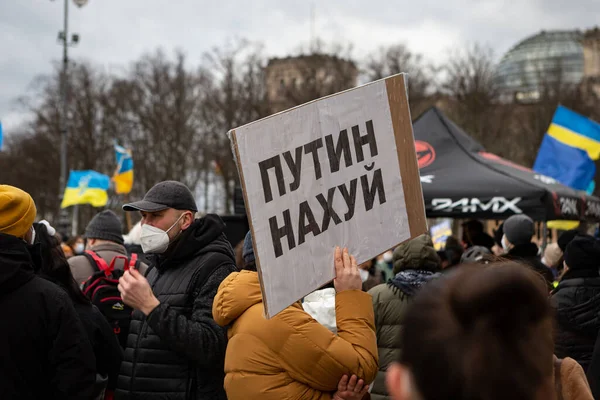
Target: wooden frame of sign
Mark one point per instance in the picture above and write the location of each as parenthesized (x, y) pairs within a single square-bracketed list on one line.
[(341, 170)]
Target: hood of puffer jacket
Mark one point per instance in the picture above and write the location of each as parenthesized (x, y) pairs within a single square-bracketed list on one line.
[(237, 293), (417, 254)]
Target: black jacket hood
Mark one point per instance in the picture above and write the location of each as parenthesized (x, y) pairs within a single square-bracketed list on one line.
[(527, 250), (205, 235), (16, 263)]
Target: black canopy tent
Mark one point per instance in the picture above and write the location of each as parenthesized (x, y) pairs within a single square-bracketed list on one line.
[(461, 180)]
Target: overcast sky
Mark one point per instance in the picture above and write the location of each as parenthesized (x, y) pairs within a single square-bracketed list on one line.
[(116, 32)]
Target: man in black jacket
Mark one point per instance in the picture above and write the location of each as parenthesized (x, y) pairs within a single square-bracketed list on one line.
[(175, 349), (516, 241), (44, 351)]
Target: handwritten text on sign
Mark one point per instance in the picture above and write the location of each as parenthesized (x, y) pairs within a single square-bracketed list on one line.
[(307, 224), (318, 176)]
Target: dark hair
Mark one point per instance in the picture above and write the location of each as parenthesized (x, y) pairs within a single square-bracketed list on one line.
[(55, 267), (239, 258), (481, 332), (71, 241), (453, 250), (251, 266), (373, 268)]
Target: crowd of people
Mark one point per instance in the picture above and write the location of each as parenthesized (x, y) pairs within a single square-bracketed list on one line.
[(172, 311)]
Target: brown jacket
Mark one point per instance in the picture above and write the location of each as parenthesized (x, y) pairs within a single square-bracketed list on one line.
[(82, 269), (291, 356), (570, 380)]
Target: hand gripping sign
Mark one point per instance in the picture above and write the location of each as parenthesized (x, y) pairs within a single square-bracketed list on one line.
[(341, 170)]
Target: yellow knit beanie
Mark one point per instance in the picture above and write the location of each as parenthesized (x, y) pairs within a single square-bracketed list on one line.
[(17, 211)]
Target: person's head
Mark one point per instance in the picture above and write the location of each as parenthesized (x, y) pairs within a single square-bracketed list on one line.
[(77, 244), (482, 332), (471, 228), (453, 251), (17, 213), (167, 210), (417, 254), (104, 227), (54, 266), (582, 254), (565, 238), (248, 253), (518, 230)]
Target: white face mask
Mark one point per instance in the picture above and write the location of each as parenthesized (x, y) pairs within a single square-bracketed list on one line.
[(364, 274), (79, 248), (155, 240)]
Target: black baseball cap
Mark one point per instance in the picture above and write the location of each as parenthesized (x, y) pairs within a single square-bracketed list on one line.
[(163, 195)]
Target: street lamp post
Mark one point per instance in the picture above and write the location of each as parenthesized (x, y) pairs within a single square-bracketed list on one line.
[(65, 41)]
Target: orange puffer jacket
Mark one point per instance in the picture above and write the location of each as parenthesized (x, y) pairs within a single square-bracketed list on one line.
[(291, 356)]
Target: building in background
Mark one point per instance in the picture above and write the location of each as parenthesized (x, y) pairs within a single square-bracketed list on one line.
[(591, 59), (292, 81), (547, 61)]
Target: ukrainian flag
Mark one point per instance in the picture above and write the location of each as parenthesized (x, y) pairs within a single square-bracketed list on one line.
[(123, 177), (86, 187), (569, 150)]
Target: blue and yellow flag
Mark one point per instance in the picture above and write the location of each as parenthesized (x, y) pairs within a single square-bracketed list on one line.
[(123, 177), (569, 150), (86, 187)]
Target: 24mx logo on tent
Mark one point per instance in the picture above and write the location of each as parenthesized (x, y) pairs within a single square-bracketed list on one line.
[(497, 205)]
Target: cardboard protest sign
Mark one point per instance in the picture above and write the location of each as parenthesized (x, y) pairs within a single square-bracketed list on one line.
[(339, 171)]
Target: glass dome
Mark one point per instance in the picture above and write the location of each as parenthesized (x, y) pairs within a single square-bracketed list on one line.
[(545, 58)]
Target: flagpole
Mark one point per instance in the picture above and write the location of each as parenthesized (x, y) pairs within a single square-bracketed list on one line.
[(127, 214), (75, 221)]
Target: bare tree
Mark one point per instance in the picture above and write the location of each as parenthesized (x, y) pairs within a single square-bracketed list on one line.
[(233, 80), (158, 112), (397, 59), (469, 82)]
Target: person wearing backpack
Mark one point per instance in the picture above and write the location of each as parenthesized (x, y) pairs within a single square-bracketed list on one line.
[(104, 238), (175, 349)]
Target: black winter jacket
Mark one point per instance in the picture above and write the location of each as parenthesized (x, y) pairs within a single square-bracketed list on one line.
[(44, 352), (577, 302), (178, 351), (106, 346), (528, 254)]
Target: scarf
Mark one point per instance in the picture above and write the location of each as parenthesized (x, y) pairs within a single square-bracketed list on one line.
[(409, 281)]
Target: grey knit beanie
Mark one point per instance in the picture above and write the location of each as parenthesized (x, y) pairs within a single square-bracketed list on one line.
[(106, 226), (519, 229)]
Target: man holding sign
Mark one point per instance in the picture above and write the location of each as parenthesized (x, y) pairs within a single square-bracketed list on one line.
[(292, 356)]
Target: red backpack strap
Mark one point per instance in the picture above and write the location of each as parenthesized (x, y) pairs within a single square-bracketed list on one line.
[(125, 263), (102, 265), (132, 262)]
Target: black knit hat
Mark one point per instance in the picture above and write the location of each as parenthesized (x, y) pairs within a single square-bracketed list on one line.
[(583, 253), (566, 238), (106, 226)]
